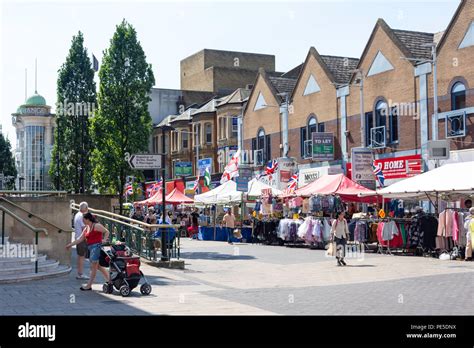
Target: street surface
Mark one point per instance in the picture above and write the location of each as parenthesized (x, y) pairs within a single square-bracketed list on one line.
[(246, 279)]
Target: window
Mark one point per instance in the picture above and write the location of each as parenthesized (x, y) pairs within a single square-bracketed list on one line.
[(369, 124), (311, 86), (468, 39), (458, 96), (393, 124), (306, 135), (208, 133), (379, 65), (260, 103), (375, 125), (262, 144), (456, 125), (184, 139), (235, 127)]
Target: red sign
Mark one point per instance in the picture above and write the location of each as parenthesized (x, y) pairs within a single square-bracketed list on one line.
[(396, 167)]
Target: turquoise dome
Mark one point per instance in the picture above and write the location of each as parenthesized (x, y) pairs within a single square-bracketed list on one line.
[(35, 99)]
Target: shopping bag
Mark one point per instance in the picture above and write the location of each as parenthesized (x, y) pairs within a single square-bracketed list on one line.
[(237, 234), (331, 249)]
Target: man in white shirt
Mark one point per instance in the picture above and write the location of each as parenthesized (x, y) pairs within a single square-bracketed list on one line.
[(81, 248)]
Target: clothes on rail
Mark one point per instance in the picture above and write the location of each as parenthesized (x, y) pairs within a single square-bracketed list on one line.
[(288, 229), (423, 230), (325, 204), (265, 230), (315, 230)]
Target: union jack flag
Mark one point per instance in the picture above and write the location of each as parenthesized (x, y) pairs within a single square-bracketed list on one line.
[(271, 168), (196, 185), (129, 190), (292, 184), (378, 173)]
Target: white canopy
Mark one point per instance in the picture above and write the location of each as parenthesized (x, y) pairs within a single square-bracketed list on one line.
[(448, 181), (224, 194), (256, 186)]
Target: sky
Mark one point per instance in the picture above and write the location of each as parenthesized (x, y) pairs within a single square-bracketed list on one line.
[(172, 30)]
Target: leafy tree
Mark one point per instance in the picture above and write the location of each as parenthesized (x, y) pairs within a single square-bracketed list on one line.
[(7, 163), (76, 99), (122, 123)]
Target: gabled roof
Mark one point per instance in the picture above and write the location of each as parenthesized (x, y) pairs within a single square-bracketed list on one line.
[(282, 85), (210, 106), (166, 121), (451, 23), (185, 116), (335, 67), (236, 97), (293, 73), (408, 42)]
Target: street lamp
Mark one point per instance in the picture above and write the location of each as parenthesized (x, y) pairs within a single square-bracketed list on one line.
[(164, 246), (360, 81), (284, 120)]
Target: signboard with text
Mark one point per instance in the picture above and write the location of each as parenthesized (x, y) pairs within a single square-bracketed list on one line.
[(395, 167), (245, 175), (145, 161), (183, 169), (203, 164), (323, 146)]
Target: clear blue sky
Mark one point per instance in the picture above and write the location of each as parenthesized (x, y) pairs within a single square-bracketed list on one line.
[(172, 30)]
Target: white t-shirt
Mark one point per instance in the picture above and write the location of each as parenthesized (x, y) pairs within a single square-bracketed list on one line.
[(78, 224)]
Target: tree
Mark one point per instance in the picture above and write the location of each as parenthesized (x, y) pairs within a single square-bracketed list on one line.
[(76, 99), (7, 163), (122, 123)]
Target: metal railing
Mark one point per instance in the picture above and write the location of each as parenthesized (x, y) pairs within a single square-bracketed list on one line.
[(138, 235), (36, 230), (37, 193), (30, 214)]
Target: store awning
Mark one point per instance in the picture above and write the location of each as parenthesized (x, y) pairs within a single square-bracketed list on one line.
[(449, 181), (337, 184), (177, 197), (255, 188), (224, 194)]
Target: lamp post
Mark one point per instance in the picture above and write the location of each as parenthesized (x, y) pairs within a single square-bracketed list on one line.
[(284, 106), (164, 246)]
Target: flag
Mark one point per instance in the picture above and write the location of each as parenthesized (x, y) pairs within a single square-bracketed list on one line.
[(196, 185), (95, 63), (207, 178), (292, 184), (271, 168), (154, 188), (232, 168), (129, 190), (378, 173)]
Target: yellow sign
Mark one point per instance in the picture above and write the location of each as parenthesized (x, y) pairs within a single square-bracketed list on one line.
[(381, 213)]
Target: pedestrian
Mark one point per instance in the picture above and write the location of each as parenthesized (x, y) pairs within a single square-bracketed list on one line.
[(81, 248), (193, 230), (229, 224), (150, 218), (94, 234), (340, 234), (138, 214), (469, 227)]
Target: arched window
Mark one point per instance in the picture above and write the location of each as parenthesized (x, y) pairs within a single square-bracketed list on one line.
[(375, 125), (458, 96), (262, 144), (306, 135), (208, 133)]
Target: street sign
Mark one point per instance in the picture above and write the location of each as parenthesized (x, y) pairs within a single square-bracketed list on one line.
[(145, 161)]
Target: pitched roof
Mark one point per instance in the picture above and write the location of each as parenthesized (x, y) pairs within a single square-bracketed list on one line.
[(451, 23), (293, 73), (414, 41), (340, 67), (236, 97), (282, 84), (185, 116), (210, 106), (166, 121)]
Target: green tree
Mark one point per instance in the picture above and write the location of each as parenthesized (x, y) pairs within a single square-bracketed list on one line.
[(122, 123), (7, 163), (76, 99)]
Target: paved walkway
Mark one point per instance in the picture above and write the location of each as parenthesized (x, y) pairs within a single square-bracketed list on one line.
[(260, 280)]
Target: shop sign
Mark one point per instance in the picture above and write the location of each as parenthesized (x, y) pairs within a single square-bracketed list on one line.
[(362, 159), (323, 146), (183, 169), (203, 164), (245, 175), (308, 175), (397, 167)]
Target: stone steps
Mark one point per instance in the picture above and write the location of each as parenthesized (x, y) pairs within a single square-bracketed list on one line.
[(18, 269)]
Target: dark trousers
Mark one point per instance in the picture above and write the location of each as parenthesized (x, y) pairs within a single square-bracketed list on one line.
[(229, 234), (340, 247)]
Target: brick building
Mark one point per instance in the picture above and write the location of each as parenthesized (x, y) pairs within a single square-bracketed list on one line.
[(222, 71)]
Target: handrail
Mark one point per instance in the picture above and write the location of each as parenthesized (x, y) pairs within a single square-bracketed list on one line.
[(30, 214), (15, 192), (138, 222), (24, 222)]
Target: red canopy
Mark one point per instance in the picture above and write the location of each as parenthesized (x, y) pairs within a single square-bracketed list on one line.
[(337, 184), (174, 197), (177, 197)]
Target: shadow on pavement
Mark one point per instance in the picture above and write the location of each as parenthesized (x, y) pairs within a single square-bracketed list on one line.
[(215, 256)]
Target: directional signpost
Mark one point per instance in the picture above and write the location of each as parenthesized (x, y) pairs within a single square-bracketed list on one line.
[(145, 161)]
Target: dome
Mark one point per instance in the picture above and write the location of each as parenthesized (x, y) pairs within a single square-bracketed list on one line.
[(35, 99)]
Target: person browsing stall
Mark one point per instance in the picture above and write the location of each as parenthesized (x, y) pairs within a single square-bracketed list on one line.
[(94, 234), (340, 234), (229, 223)]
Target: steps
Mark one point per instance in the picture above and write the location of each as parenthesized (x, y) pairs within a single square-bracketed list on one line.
[(16, 269)]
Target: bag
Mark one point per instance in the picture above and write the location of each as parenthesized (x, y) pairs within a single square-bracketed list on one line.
[(237, 234), (331, 249)]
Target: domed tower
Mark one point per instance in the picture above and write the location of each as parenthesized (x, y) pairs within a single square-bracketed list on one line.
[(34, 125)]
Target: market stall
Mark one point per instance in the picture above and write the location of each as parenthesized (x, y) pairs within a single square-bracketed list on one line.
[(224, 194)]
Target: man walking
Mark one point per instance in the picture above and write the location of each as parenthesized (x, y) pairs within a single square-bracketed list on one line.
[(81, 248), (229, 224)]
